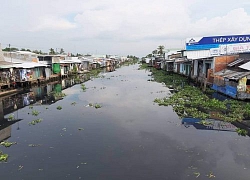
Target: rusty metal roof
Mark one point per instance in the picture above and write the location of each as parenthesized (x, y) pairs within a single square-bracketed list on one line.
[(230, 74)]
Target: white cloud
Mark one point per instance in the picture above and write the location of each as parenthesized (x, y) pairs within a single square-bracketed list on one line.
[(52, 23), (123, 26)]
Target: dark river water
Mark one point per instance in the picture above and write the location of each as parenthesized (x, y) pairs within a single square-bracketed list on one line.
[(128, 138)]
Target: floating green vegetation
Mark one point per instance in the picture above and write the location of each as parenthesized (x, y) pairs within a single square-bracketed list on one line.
[(59, 107), (97, 106), (57, 95), (192, 102), (34, 122), (73, 103), (35, 112), (77, 79), (241, 132), (30, 107), (144, 66), (7, 144), (11, 117), (3, 157), (83, 87), (94, 73), (205, 123), (170, 79)]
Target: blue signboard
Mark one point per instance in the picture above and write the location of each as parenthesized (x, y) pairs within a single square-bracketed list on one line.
[(205, 43)]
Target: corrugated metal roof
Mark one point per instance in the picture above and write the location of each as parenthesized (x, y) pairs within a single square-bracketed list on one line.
[(5, 63), (29, 65), (230, 74), (245, 66), (235, 62)]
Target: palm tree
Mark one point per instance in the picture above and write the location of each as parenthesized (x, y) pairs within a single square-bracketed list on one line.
[(52, 51), (161, 49)]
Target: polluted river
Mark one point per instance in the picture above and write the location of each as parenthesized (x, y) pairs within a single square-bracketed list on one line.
[(109, 128)]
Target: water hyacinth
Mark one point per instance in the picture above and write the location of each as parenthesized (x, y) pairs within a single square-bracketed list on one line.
[(3, 157)]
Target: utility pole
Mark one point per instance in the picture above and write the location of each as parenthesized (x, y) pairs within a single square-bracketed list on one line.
[(10, 53)]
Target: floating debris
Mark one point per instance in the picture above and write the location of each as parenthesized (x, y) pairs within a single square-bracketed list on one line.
[(59, 107), (34, 145), (20, 167), (80, 129), (210, 175), (34, 122), (73, 103), (197, 174)]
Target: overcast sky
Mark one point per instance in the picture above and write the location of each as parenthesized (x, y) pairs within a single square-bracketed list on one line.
[(120, 27)]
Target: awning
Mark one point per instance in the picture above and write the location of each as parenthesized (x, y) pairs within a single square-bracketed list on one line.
[(245, 66)]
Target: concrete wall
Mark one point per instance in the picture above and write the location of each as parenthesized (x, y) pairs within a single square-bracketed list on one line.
[(1, 54), (222, 61)]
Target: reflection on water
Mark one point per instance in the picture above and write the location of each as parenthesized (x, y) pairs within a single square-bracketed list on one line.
[(209, 124), (45, 94)]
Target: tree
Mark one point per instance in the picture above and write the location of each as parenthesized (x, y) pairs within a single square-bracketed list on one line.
[(161, 50), (154, 52), (149, 55), (52, 51), (37, 52), (61, 51), (10, 49)]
